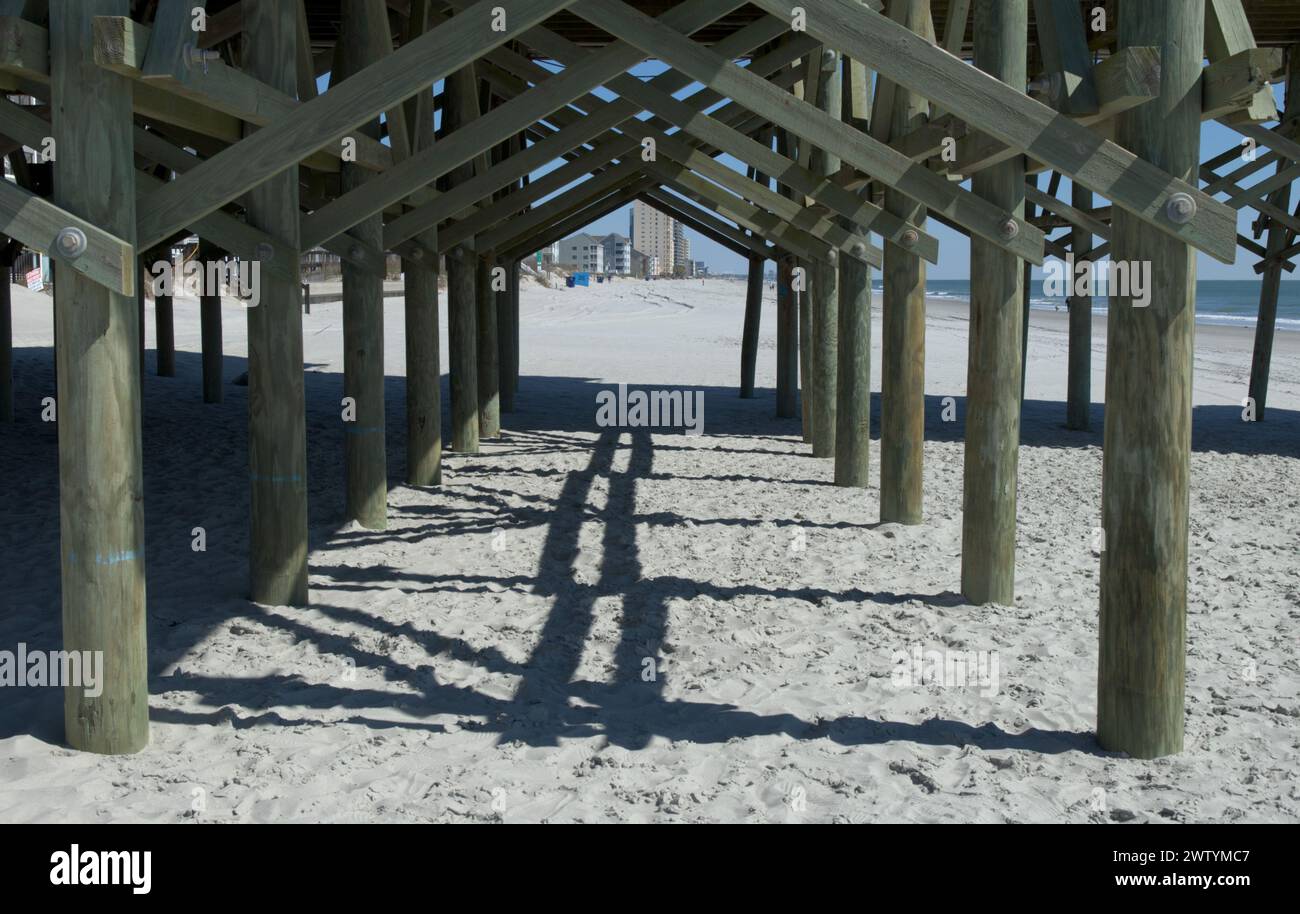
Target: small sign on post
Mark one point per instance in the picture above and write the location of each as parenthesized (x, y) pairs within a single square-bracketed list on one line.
[(35, 280)]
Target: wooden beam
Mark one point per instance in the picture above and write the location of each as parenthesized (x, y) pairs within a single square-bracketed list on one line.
[(101, 482), (104, 258), (763, 98), (330, 117), (1228, 33), (1009, 115), (1234, 83), (1147, 449)]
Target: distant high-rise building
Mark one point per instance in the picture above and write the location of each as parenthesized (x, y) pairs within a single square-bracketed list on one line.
[(681, 258), (653, 234)]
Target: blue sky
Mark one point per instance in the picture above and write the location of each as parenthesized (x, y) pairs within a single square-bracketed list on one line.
[(954, 257)]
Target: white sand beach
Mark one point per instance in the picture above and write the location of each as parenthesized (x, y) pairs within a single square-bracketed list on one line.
[(588, 625)]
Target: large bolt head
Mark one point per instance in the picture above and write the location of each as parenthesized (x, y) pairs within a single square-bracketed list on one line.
[(1181, 208), (70, 243), (1009, 229), (910, 238), (264, 251)]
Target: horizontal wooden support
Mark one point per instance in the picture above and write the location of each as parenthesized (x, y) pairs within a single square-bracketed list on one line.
[(1228, 33), (35, 222), (1232, 84), (1019, 121), (332, 116), (1002, 228), (1124, 80), (1085, 221)]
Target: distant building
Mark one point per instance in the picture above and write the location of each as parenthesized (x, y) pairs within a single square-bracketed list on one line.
[(681, 251), (699, 268), (583, 253), (653, 234), (549, 256), (618, 254)]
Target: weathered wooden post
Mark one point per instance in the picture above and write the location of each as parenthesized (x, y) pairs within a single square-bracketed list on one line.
[(277, 411), (362, 43), (801, 272), (460, 108), (853, 411), (787, 339), (505, 335), (210, 325), (423, 356), (1078, 397), (101, 486), (165, 329), (1147, 448), (1278, 238), (988, 556), (753, 316), (787, 312), (902, 348), (489, 371), (7, 330), (824, 284)]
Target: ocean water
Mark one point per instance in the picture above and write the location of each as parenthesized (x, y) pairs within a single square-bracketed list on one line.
[(1226, 302)]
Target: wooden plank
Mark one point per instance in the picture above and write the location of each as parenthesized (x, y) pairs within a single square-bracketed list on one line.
[(330, 117), (107, 259), (993, 379), (1072, 215), (763, 98), (1022, 123), (1147, 449), (172, 32), (101, 482)]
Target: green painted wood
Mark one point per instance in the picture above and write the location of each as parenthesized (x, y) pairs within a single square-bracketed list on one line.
[(1010, 116), (333, 115), (101, 485), (902, 348), (994, 373), (1078, 397), (210, 330), (366, 44), (1147, 448), (489, 365), (1278, 240), (277, 423)]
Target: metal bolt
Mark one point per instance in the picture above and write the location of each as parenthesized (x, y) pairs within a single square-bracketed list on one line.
[(829, 60), (859, 250), (416, 254), (1181, 208), (196, 57), (264, 251), (70, 243), (833, 257), (1010, 229), (910, 238), (355, 252)]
